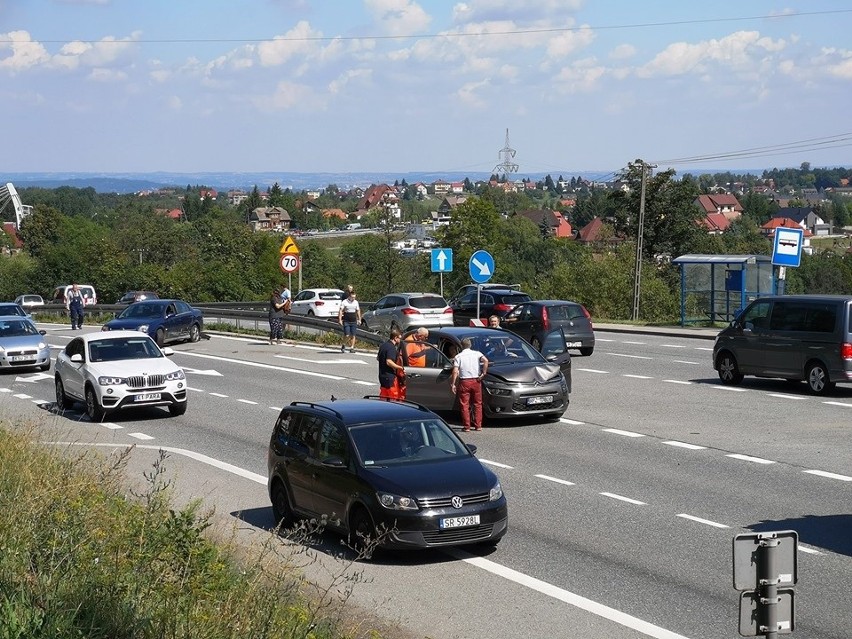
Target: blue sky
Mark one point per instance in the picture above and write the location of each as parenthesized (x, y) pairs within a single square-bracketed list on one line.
[(428, 85)]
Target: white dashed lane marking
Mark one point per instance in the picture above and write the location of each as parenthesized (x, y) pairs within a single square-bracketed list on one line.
[(784, 396), (624, 433), (677, 381), (497, 464), (630, 356), (247, 401), (625, 499), (732, 389), (218, 395), (827, 475), (842, 404), (672, 345), (141, 436), (685, 445), (706, 522), (749, 458), (564, 482), (593, 370), (22, 396), (638, 376)]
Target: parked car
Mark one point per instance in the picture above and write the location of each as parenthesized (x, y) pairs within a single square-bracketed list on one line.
[(87, 290), (406, 311), (471, 288), (520, 380), (137, 296), (12, 308), (124, 369), (29, 301), (163, 320), (536, 320), (22, 345), (317, 302), (794, 337), (492, 301), (388, 471)]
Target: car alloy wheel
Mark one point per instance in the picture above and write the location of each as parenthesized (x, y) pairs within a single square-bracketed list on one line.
[(362, 533), (818, 382), (93, 408), (160, 337), (281, 510), (62, 401), (729, 372), (194, 333)]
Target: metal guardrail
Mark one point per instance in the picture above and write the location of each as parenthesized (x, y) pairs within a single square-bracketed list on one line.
[(251, 315)]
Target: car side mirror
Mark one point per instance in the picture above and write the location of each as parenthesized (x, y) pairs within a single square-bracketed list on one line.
[(42, 332), (77, 358), (472, 448), (333, 462), (168, 352)]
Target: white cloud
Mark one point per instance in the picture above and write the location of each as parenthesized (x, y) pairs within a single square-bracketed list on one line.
[(289, 95), (353, 75), (104, 52), (488, 10), (582, 77), (174, 103), (566, 43), (739, 50), (300, 40), (468, 94), (399, 17), (18, 51), (622, 52), (107, 75)]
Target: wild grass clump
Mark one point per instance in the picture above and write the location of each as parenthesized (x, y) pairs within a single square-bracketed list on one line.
[(82, 557)]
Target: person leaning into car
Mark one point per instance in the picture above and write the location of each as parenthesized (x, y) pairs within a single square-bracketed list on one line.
[(469, 367), (416, 348), (391, 372)]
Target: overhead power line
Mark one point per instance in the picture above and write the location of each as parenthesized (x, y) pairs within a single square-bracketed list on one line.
[(454, 35)]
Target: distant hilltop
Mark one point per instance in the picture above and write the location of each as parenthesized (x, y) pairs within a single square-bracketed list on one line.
[(136, 182)]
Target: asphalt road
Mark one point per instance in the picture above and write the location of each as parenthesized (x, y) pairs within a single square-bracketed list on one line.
[(621, 515)]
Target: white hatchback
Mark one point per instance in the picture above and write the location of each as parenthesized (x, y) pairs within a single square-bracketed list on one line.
[(318, 302), (118, 370)]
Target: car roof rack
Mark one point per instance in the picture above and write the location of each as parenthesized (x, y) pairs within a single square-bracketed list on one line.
[(317, 406), (407, 402)]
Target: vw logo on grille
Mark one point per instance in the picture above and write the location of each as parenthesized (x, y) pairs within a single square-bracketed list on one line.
[(457, 501)]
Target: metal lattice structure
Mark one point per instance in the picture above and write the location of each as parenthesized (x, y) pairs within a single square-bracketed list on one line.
[(9, 194), (506, 153)]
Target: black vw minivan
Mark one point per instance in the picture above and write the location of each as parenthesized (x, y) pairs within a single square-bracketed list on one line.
[(795, 337)]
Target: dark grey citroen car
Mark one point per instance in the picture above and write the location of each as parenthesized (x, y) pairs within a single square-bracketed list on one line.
[(384, 473), (520, 381)]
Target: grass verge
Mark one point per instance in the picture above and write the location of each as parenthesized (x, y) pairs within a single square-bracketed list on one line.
[(82, 556)]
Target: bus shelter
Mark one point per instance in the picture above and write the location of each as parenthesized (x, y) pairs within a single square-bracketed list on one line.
[(714, 288)]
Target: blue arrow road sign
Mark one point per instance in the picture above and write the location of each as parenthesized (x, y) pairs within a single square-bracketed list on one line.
[(787, 250), (481, 267), (442, 260)]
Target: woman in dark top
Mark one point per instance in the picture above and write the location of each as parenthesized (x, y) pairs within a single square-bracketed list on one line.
[(276, 317)]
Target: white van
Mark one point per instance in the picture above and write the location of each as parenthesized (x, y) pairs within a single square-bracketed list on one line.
[(87, 290), (353, 227)]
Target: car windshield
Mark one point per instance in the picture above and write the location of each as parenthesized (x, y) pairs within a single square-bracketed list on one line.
[(11, 309), (406, 442), (142, 310), (427, 302), (120, 348), (16, 328), (502, 347)]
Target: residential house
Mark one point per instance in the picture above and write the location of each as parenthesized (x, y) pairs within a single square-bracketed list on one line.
[(172, 214), (595, 232), (310, 207), (715, 223), (11, 230), (379, 197), (211, 193), (440, 187), (557, 225), (442, 216), (269, 218), (806, 218), (724, 203), (237, 197), (420, 190), (339, 214), (457, 187)]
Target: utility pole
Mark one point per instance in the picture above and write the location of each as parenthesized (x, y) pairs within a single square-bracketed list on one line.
[(637, 277), (506, 153)]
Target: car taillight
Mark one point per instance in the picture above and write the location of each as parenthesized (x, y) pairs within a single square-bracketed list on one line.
[(410, 311), (318, 303), (448, 310), (588, 316), (503, 308), (846, 351), (545, 322)]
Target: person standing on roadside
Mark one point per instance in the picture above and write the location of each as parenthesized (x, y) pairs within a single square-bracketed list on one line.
[(276, 317), (349, 316), (74, 303), (469, 367), (391, 372)]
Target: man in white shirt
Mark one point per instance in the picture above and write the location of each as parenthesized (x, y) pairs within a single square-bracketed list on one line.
[(469, 367)]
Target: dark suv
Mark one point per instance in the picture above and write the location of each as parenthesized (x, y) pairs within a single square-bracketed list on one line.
[(492, 301), (137, 296), (541, 320), (384, 473)]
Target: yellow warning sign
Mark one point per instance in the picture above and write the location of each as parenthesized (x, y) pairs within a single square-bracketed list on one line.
[(289, 246)]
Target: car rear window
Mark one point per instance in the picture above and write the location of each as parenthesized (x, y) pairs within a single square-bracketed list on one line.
[(331, 295), (427, 302), (514, 298), (565, 312)]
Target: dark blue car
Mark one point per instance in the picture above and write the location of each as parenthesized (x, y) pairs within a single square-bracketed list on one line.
[(164, 320)]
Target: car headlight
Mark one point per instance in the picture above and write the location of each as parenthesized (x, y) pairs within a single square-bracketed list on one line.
[(496, 492), (178, 374), (493, 389), (143, 328), (104, 380), (42, 345), (397, 502)]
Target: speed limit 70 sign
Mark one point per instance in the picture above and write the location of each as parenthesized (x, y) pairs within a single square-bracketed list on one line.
[(289, 262)]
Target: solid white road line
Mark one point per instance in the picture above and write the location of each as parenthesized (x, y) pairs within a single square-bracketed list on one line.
[(622, 498), (564, 482), (565, 596), (810, 551), (749, 458), (625, 433), (703, 521), (822, 473), (685, 445)]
